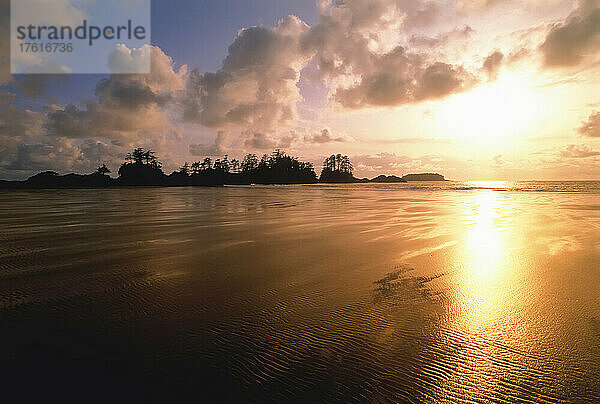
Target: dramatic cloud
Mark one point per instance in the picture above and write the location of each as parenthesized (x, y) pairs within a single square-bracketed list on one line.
[(256, 87), (16, 127), (578, 151), (591, 127), (131, 110), (399, 78), (571, 41), (217, 148), (128, 94), (359, 56), (25, 148), (355, 46), (55, 155), (129, 107)]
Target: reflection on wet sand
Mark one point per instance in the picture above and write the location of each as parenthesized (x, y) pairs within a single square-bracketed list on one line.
[(485, 264), (303, 293)]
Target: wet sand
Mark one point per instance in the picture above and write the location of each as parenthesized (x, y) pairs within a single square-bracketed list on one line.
[(349, 293)]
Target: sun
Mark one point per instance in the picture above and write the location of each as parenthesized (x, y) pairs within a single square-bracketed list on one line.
[(493, 111)]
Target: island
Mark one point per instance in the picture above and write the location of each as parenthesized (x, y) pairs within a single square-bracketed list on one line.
[(423, 177), (142, 168), (388, 178)]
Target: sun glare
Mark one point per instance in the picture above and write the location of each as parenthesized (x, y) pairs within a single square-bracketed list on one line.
[(484, 262), (484, 240), (493, 111)]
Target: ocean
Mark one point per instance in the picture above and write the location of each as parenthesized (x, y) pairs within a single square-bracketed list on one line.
[(445, 292)]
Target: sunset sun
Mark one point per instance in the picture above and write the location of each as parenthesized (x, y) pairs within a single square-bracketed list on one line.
[(494, 111)]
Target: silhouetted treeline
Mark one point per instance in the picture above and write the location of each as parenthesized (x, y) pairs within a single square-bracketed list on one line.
[(142, 168), (337, 168)]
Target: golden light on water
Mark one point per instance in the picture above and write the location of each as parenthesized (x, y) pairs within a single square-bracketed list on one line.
[(483, 309), (484, 263), (484, 242)]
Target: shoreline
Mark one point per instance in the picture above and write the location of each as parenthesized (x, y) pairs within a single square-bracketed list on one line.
[(99, 181)]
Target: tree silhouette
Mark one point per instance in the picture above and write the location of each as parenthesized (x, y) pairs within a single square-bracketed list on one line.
[(141, 156), (337, 168), (206, 164), (249, 163), (235, 166), (141, 168), (185, 169), (103, 170), (225, 164)]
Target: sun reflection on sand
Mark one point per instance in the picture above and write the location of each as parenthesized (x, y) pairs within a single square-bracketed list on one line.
[(482, 314), (484, 264), (484, 241)]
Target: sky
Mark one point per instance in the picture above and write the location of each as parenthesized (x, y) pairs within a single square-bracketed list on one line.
[(474, 90)]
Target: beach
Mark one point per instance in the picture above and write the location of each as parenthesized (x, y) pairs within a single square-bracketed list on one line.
[(419, 292)]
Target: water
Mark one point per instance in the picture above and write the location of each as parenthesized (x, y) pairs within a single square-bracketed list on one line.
[(446, 292)]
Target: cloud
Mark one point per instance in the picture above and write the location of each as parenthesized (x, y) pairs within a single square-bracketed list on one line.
[(400, 79), (441, 79), (591, 127), (257, 140), (217, 148), (129, 110), (419, 13), (128, 94), (33, 85), (410, 140), (391, 163), (287, 141), (25, 148), (574, 40), (57, 155), (124, 60), (364, 53), (442, 39), (492, 64), (42, 13), (355, 48), (358, 54), (129, 107), (16, 127), (256, 87), (578, 151), (323, 137)]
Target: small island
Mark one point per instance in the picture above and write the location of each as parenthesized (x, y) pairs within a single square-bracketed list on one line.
[(423, 177), (142, 168), (388, 178)]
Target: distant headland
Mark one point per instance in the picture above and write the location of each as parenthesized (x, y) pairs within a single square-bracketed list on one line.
[(142, 168)]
